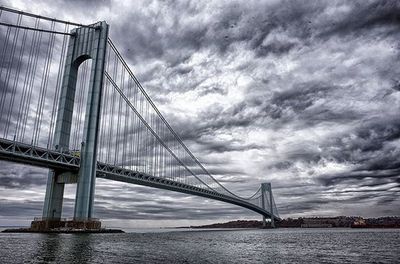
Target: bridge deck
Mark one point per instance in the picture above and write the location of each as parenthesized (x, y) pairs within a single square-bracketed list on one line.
[(52, 159)]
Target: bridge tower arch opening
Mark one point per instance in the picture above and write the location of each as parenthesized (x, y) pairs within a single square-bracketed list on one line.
[(85, 43)]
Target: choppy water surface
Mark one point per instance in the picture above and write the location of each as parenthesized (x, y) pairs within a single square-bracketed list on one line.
[(233, 246)]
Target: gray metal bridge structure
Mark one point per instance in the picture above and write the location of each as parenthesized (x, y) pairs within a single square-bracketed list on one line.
[(69, 102)]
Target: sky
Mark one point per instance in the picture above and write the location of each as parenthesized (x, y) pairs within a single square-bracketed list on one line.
[(302, 94)]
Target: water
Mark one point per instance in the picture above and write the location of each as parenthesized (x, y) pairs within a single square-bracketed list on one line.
[(233, 246)]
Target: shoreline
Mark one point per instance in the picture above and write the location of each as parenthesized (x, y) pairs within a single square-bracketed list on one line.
[(314, 222)]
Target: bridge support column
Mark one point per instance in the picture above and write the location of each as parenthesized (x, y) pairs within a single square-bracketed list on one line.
[(266, 187), (263, 203), (271, 204), (85, 43), (52, 208), (96, 49)]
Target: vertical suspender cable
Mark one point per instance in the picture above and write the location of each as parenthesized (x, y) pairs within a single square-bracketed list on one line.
[(25, 89), (58, 88), (11, 61), (31, 79), (15, 83), (45, 81)]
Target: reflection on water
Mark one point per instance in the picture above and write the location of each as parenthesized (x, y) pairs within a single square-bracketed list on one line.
[(80, 248), (48, 248), (237, 246)]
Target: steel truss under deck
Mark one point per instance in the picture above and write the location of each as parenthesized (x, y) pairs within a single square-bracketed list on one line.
[(67, 162)]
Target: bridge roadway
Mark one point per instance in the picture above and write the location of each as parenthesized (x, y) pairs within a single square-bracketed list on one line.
[(52, 159)]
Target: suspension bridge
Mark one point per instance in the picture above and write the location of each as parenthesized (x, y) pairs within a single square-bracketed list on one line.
[(69, 102)]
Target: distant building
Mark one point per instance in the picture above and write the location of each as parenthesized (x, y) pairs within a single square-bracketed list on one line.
[(359, 222), (341, 221)]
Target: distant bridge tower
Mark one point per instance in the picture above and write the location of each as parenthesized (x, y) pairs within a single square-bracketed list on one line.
[(267, 200), (85, 43)]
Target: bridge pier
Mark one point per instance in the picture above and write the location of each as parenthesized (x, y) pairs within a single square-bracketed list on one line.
[(87, 172), (53, 201), (266, 187), (85, 43), (271, 206)]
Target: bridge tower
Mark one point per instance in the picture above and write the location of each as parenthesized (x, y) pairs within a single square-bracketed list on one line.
[(84, 43), (266, 187)]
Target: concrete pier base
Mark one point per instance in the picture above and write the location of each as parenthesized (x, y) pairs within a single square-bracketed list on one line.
[(46, 224), (40, 225)]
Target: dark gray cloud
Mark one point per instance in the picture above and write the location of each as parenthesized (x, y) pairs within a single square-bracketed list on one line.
[(300, 93), (20, 177), (367, 16)]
